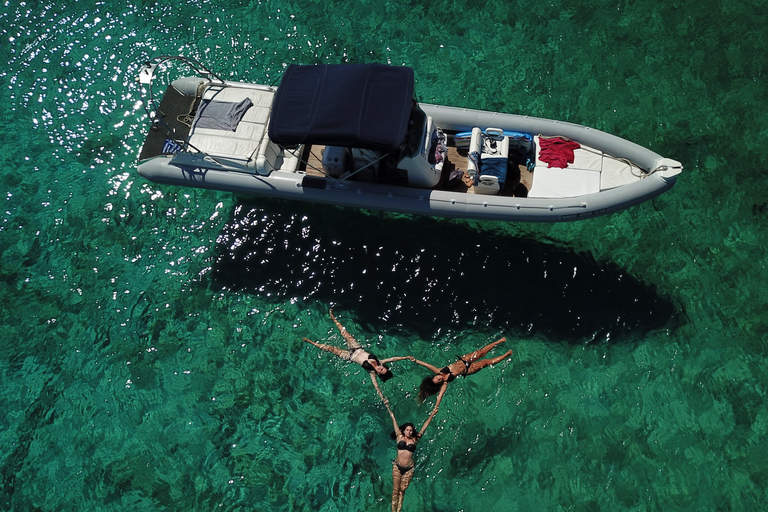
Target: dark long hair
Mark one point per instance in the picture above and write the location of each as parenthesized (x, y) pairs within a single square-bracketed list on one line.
[(416, 434), (385, 377), (427, 389)]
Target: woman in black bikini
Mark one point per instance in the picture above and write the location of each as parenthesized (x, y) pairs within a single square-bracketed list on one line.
[(356, 354), (466, 365), (403, 465)]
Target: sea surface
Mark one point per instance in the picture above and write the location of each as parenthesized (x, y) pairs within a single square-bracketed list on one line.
[(150, 336)]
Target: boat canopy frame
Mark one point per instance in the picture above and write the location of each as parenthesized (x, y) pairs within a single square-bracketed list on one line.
[(366, 106)]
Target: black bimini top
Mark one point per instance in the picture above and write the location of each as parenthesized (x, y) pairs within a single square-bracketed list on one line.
[(351, 105)]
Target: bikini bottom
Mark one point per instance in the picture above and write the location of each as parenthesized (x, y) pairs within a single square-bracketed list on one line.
[(403, 470)]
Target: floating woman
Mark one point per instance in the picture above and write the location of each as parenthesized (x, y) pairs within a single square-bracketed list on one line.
[(403, 465), (357, 354), (466, 365)]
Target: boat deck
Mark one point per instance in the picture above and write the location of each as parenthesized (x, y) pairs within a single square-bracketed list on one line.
[(175, 117), (172, 121), (591, 170), (519, 178)]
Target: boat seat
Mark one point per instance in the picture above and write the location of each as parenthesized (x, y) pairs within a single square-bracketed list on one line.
[(582, 177), (271, 157), (488, 155), (249, 130)]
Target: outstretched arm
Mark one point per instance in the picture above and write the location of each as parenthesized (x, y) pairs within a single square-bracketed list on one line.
[(426, 365), (395, 426), (392, 359), (378, 389), (386, 402), (426, 423), (440, 395)]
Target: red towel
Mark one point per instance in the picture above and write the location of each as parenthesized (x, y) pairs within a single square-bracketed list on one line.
[(557, 152)]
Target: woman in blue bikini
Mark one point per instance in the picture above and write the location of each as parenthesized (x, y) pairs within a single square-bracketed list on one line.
[(403, 465), (466, 365)]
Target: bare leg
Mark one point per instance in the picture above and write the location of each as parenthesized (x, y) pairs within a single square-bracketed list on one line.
[(396, 477), (459, 367), (405, 481), (351, 341), (344, 354), (479, 365), (477, 354)]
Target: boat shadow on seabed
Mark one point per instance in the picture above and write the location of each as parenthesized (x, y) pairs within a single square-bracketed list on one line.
[(422, 274)]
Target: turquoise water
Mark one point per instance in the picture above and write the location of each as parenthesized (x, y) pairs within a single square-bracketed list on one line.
[(150, 350)]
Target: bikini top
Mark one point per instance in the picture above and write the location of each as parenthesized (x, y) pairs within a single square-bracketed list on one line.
[(403, 446), (447, 372), (368, 366)]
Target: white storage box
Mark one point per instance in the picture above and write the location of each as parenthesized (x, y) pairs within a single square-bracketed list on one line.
[(336, 161), (367, 159)]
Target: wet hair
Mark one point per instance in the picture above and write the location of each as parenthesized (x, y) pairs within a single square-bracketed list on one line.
[(386, 376), (427, 389), (416, 435)]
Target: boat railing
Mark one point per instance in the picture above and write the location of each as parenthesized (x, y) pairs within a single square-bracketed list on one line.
[(149, 70)]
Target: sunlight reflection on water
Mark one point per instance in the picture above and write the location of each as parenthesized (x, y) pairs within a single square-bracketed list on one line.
[(207, 296)]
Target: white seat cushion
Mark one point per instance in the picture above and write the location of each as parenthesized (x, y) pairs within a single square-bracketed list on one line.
[(555, 182), (245, 139), (581, 177)]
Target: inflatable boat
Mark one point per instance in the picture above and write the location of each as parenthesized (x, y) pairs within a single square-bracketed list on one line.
[(353, 135)]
